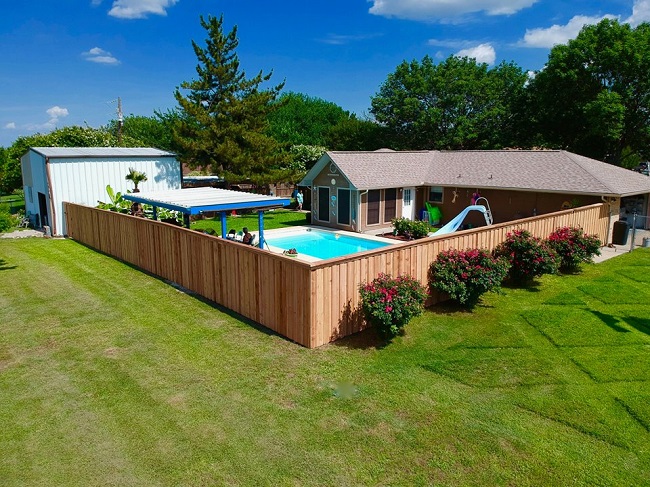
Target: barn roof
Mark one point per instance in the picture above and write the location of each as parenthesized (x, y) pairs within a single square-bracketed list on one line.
[(82, 152)]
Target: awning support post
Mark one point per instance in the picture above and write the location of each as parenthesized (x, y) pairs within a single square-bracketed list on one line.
[(260, 221), (223, 225)]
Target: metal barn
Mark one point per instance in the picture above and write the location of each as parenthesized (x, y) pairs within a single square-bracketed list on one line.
[(52, 175)]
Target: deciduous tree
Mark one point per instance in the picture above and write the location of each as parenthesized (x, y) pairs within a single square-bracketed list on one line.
[(456, 104), (593, 96)]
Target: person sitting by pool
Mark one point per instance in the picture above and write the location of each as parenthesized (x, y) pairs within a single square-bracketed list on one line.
[(231, 234), (248, 237)]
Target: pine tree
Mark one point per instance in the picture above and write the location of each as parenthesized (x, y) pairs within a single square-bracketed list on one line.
[(225, 122)]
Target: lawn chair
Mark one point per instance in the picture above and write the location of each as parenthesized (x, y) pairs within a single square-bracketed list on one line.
[(24, 222)]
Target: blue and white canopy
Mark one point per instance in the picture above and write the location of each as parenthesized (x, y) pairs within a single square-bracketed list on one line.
[(192, 201)]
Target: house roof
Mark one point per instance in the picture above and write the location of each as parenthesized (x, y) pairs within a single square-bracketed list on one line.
[(61, 152), (523, 170)]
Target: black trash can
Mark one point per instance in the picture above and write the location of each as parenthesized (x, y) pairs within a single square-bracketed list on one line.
[(619, 236)]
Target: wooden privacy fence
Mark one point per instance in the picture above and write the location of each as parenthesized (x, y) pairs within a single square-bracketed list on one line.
[(311, 304)]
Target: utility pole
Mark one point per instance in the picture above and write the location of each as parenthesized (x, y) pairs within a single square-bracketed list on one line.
[(120, 121)]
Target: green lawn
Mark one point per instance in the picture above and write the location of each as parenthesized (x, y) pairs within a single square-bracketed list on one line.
[(13, 203), (109, 376), (272, 219)]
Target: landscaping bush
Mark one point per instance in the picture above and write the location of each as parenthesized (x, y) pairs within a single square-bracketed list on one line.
[(529, 256), (409, 228), (466, 275), (573, 246), (388, 304), (7, 221)]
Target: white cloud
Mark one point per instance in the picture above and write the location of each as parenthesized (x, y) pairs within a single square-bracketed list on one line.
[(339, 39), (640, 13), (98, 55), (10, 125), (95, 3), (449, 43), (445, 9), (57, 112), (559, 34), (483, 53), (139, 9)]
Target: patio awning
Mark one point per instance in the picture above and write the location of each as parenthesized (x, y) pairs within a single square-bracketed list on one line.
[(192, 201)]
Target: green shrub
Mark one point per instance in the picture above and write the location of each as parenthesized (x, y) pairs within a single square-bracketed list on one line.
[(388, 304), (529, 256), (7, 221), (573, 246), (409, 228), (466, 275)]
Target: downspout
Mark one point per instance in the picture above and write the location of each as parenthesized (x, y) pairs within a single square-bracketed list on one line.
[(50, 195), (605, 199)]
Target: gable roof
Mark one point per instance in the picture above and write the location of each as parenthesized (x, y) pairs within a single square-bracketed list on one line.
[(554, 171), (80, 152)]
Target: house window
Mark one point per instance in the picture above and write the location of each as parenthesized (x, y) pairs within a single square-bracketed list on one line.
[(435, 194), (390, 204), (324, 204), (344, 207), (373, 206)]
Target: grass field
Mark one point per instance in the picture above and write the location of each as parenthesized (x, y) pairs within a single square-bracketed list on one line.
[(109, 376), (272, 219), (13, 203)]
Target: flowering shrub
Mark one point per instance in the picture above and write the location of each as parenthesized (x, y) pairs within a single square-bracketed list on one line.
[(388, 303), (573, 246), (529, 256), (466, 275), (410, 228)]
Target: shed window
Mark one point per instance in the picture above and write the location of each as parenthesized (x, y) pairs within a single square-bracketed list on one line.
[(390, 204), (344, 206), (435, 194), (324, 204), (373, 206)]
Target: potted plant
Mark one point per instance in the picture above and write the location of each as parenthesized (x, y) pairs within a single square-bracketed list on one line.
[(136, 177)]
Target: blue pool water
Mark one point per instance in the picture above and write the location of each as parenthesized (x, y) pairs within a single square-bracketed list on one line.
[(323, 245)]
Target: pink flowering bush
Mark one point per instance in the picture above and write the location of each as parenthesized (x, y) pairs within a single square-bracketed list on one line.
[(388, 304), (465, 275), (529, 256), (573, 246)]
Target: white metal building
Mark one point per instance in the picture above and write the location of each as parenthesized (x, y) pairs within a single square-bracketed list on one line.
[(52, 175)]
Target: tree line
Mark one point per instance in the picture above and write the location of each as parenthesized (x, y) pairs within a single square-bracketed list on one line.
[(592, 97)]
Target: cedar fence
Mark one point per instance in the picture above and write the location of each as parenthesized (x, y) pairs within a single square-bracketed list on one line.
[(309, 303)]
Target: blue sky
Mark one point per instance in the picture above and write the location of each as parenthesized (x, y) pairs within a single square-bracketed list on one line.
[(66, 62)]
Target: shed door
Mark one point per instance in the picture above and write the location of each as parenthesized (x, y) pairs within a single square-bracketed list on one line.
[(42, 209)]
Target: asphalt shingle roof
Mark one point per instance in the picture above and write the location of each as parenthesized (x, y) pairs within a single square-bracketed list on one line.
[(531, 170)]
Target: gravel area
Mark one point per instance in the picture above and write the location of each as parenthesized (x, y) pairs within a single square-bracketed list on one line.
[(22, 233)]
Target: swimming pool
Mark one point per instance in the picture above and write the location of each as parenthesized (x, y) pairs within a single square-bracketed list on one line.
[(322, 244)]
